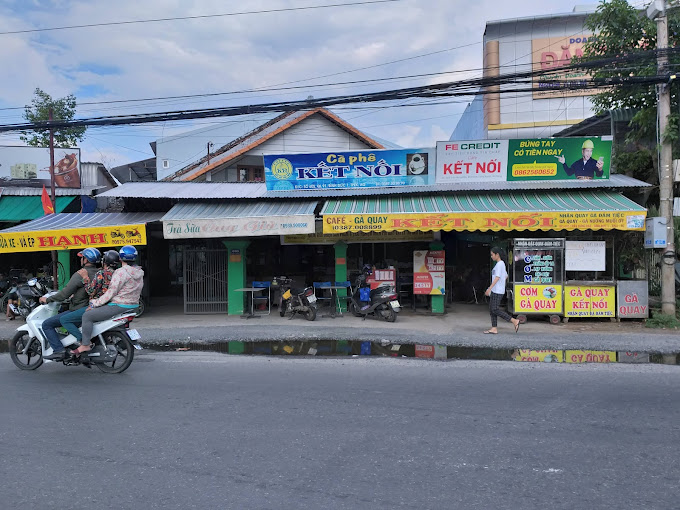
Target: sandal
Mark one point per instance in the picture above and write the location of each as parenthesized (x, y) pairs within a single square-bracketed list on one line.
[(489, 332), (81, 349)]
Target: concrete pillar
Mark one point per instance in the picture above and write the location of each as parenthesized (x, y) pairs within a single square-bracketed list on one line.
[(64, 258), (341, 270), (437, 303), (236, 275)]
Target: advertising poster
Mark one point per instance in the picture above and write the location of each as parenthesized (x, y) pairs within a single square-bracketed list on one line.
[(494, 221), (30, 166), (534, 159), (590, 356), (97, 237), (632, 299), (428, 272), (555, 52), (474, 161), (589, 301), (352, 169), (538, 299)]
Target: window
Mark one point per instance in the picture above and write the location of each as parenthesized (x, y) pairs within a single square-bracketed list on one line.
[(250, 174), (166, 163)]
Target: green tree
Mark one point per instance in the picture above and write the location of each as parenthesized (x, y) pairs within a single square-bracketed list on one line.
[(627, 37), (62, 109)]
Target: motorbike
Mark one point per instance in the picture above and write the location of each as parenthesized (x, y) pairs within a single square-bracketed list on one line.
[(294, 301), (380, 302), (28, 295), (114, 343)]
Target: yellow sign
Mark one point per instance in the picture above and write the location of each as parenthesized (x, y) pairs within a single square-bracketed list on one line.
[(552, 53), (78, 238), (590, 356), (534, 169), (589, 301), (495, 221), (384, 236), (538, 298), (549, 356)]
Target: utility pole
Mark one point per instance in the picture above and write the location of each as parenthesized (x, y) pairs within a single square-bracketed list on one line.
[(657, 10), (55, 266)]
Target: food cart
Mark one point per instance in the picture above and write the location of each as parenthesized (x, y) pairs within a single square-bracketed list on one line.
[(538, 278)]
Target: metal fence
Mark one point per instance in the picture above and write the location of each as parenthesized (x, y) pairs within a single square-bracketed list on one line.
[(653, 263), (205, 281)]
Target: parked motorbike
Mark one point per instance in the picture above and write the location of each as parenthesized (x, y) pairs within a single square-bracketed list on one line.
[(380, 302), (294, 301), (113, 348), (28, 295)]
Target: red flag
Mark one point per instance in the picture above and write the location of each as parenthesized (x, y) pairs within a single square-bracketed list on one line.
[(48, 208)]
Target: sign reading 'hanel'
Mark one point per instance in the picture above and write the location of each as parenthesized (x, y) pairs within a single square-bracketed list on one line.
[(353, 169)]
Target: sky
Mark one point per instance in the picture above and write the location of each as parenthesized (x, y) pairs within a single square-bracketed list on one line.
[(319, 48)]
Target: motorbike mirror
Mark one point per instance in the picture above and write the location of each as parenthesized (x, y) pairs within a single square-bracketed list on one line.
[(32, 282)]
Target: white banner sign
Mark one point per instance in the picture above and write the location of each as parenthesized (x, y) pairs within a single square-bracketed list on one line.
[(472, 161), (585, 255), (238, 227)]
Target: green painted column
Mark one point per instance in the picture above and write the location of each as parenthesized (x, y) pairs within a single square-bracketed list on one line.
[(236, 275), (341, 270), (64, 258), (437, 302)]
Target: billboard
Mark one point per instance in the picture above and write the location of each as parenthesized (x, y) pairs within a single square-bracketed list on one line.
[(351, 169), (555, 52), (523, 159), (30, 166)]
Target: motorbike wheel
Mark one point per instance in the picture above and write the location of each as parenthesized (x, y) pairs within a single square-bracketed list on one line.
[(125, 349), (310, 314), (282, 308), (387, 313), (33, 357), (353, 309), (141, 308), (4, 303)]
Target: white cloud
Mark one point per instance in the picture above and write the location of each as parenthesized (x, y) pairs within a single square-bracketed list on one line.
[(229, 53)]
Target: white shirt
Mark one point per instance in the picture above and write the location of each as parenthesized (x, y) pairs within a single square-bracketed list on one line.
[(499, 270)]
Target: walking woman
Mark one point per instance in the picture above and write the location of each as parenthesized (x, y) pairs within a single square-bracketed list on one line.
[(496, 290)]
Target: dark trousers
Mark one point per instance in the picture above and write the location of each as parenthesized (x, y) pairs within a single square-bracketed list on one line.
[(495, 310)]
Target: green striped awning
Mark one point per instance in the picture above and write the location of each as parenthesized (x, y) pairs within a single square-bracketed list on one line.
[(15, 208), (529, 210)]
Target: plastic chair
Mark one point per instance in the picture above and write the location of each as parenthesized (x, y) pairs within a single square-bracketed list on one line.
[(322, 299), (266, 297)]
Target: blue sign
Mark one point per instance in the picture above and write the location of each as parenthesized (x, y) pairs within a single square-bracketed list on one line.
[(352, 169)]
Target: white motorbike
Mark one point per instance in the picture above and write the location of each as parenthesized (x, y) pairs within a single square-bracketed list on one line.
[(113, 349)]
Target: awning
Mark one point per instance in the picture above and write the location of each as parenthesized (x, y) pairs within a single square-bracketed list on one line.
[(239, 219), (537, 210), (77, 230), (22, 208)]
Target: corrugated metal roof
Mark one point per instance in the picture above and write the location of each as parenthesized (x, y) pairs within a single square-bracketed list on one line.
[(543, 201), (26, 191), (17, 208), (253, 190), (217, 210), (65, 221)]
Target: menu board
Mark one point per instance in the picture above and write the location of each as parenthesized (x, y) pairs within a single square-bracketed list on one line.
[(428, 272), (585, 255), (538, 261)]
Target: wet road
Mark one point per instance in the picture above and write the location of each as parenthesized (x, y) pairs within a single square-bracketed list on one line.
[(201, 430)]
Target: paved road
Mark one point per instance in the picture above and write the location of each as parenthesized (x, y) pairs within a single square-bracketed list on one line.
[(200, 430)]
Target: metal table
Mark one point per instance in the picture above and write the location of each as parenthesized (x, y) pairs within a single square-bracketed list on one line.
[(252, 291), (334, 298)]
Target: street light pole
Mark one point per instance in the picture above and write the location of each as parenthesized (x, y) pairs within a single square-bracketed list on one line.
[(55, 265), (665, 164)]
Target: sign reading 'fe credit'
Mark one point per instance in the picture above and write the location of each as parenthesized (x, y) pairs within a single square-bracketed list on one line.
[(524, 159), (47, 240), (352, 169)]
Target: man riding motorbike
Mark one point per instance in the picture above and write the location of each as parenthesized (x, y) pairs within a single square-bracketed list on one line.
[(75, 287), (122, 296), (95, 288)]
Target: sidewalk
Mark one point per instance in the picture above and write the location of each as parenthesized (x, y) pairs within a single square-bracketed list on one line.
[(461, 326)]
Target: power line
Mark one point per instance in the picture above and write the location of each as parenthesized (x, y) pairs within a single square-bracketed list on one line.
[(203, 16)]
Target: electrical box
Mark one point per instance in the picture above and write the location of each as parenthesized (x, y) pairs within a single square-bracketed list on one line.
[(655, 233)]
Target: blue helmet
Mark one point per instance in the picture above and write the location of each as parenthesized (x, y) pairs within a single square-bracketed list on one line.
[(92, 255), (128, 253)]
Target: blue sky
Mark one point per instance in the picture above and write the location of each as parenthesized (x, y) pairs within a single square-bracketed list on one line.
[(235, 53)]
